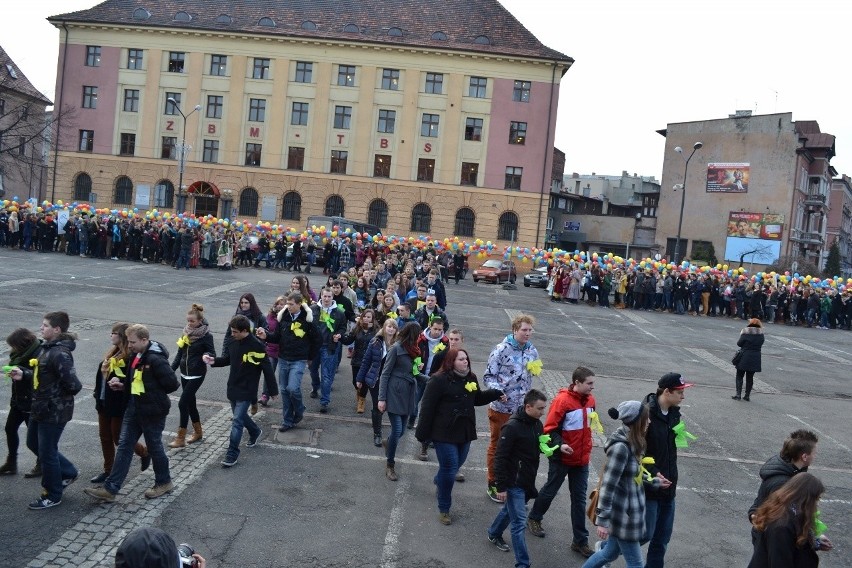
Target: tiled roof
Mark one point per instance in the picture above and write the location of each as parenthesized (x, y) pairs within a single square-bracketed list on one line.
[(392, 22), (13, 79)]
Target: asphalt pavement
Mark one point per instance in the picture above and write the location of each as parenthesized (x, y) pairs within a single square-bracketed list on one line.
[(317, 495)]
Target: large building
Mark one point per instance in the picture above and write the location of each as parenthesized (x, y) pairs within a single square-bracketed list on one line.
[(418, 117), (839, 229)]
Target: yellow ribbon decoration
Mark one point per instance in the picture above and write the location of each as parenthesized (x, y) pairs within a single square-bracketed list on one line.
[(682, 437), (391, 315), (595, 422), (115, 366), (471, 386), (415, 368), (183, 341), (251, 356), (534, 367), (296, 328), (438, 348), (327, 320), (644, 472), (137, 387), (34, 365)]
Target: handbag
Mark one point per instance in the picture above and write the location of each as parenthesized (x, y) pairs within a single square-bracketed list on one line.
[(592, 509), (738, 356)]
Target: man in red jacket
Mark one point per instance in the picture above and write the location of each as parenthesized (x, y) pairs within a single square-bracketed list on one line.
[(568, 422)]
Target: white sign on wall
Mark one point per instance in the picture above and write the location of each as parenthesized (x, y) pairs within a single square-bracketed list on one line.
[(267, 211), (143, 196)]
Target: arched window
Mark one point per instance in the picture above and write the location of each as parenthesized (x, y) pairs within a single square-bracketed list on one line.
[(182, 17), (309, 25), (141, 14), (439, 36), (266, 22), (482, 40), (465, 222), (421, 218), (82, 187), (378, 213), (164, 194), (351, 29), (334, 206), (292, 208), (507, 228), (395, 32), (224, 19), (123, 191), (248, 202)]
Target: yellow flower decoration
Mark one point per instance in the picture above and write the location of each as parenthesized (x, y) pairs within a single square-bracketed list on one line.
[(296, 328), (183, 341), (471, 386), (115, 366), (534, 367), (34, 365), (137, 387), (438, 348)]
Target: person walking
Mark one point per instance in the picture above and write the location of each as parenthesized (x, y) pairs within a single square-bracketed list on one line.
[(25, 347), (371, 369), (750, 342), (360, 337), (330, 322), (195, 342), (448, 419)]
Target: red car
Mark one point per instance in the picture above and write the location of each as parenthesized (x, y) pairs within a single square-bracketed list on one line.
[(496, 271)]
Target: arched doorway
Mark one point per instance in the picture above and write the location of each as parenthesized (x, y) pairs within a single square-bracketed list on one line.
[(206, 198)]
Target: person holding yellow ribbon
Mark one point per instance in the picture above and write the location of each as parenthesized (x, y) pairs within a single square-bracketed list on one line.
[(25, 346), (359, 338), (330, 322)]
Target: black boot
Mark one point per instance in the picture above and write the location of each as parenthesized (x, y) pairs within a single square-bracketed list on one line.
[(10, 467), (35, 471), (376, 417)]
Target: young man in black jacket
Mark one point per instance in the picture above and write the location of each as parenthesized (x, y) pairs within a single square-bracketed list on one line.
[(515, 467), (246, 355), (330, 322)]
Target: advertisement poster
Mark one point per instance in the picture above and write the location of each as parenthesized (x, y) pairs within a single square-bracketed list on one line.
[(754, 237), (727, 177)]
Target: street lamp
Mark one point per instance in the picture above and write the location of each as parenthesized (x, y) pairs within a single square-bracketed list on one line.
[(679, 150), (182, 155)]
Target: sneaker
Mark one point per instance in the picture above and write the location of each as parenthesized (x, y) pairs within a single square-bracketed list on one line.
[(100, 493), (68, 481), (583, 549), (499, 543), (323, 409), (229, 462), (377, 441), (444, 519), (100, 478), (253, 441), (314, 394), (284, 428), (492, 493), (159, 490), (459, 477), (43, 503), (146, 462), (537, 530)]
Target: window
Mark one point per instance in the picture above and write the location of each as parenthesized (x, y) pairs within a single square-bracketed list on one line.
[(211, 151), (224, 19), (377, 213), (521, 92), (473, 129), (421, 218), (381, 166), (395, 32), (507, 226), (334, 206), (214, 106), (429, 126), (93, 56), (141, 14), (82, 187), (675, 252), (295, 158), (253, 152), (171, 108), (164, 194), (299, 116), (248, 202), (266, 22), (425, 169), (90, 97), (439, 36), (702, 250), (169, 151), (183, 17), (387, 121), (134, 59), (87, 140), (482, 40), (128, 144), (346, 75), (465, 222), (338, 161), (176, 61), (435, 83), (292, 208), (218, 65), (123, 191), (304, 71), (469, 173), (549, 226), (517, 133), (477, 88), (342, 117), (309, 25), (261, 68), (513, 177), (390, 79), (351, 29), (257, 110), (131, 100)]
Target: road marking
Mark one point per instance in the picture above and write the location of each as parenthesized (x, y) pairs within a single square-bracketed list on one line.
[(501, 292), (759, 386), (814, 350), (21, 281), (826, 436), (512, 313), (217, 289), (628, 313)]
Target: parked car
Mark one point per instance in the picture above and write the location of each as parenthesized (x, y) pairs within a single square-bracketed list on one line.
[(496, 271), (537, 278)]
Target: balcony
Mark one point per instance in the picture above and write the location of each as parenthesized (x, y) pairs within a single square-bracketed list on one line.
[(815, 199), (806, 237)]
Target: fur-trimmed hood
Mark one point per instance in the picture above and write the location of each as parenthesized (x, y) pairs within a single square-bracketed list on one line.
[(752, 331)]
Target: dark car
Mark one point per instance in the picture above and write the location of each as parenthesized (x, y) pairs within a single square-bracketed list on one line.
[(537, 278), (496, 271)]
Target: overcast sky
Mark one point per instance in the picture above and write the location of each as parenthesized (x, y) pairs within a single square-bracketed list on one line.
[(639, 66)]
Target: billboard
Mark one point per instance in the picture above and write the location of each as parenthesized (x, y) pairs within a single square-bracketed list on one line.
[(756, 237), (728, 177)]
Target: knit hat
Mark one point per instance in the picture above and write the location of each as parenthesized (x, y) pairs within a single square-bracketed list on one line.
[(147, 547), (628, 412)]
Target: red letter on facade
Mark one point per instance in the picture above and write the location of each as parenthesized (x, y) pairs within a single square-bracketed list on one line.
[(383, 143), (170, 125), (340, 138), (211, 129), (254, 132), (427, 147)]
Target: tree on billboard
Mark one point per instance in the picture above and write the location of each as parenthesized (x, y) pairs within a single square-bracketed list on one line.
[(832, 263), (757, 253)]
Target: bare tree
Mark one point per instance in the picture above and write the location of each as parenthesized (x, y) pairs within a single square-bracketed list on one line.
[(758, 252)]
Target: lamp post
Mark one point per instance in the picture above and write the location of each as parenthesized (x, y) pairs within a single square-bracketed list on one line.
[(679, 150), (182, 154)]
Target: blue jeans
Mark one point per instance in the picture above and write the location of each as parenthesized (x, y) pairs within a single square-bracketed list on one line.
[(241, 420), (325, 365), (659, 521), (290, 385), (43, 441), (812, 316), (612, 548), (514, 512), (667, 299), (132, 427), (183, 259), (679, 307), (450, 458), (419, 389), (578, 479), (397, 422)]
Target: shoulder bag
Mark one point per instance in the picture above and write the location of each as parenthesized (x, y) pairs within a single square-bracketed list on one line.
[(737, 358), (592, 509)]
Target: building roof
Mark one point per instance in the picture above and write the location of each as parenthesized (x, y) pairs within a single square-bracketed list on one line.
[(13, 79), (482, 26)]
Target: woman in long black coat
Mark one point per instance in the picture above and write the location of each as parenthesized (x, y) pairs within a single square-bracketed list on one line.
[(750, 342)]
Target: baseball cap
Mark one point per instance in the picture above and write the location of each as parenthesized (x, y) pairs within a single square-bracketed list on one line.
[(673, 381)]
